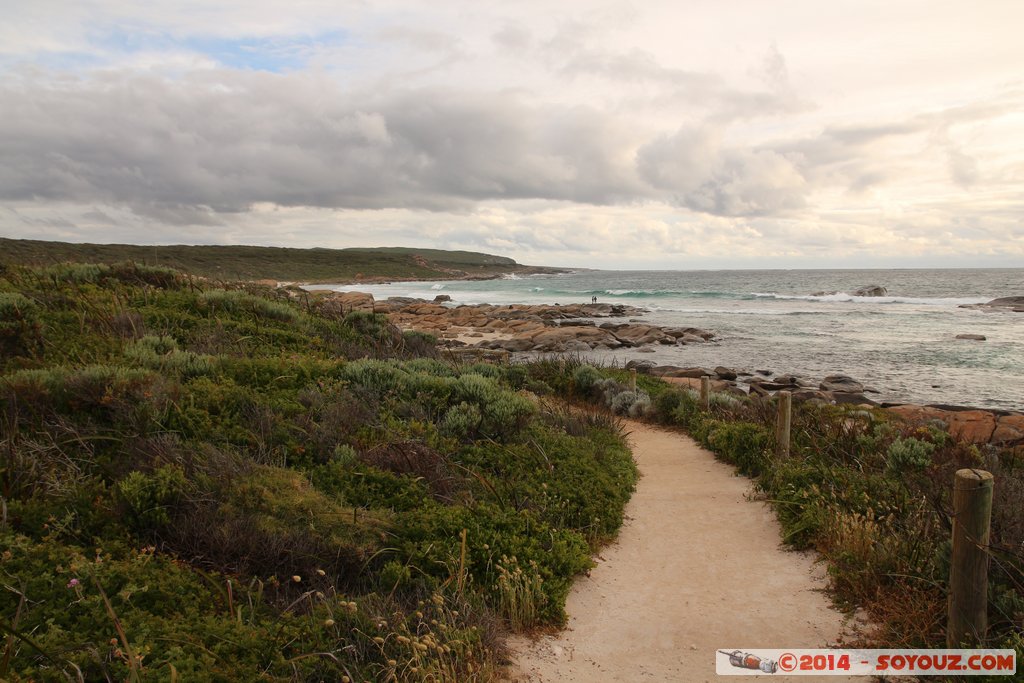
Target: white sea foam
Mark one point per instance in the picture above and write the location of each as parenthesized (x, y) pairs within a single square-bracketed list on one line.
[(844, 297)]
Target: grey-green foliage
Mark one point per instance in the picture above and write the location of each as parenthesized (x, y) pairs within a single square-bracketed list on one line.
[(15, 306), (909, 454), (345, 455), (724, 400), (608, 388), (234, 300), (60, 379), (507, 413), (78, 273), (162, 353), (584, 378), (485, 369), (632, 403), (642, 406), (377, 375), (503, 411), (430, 366), (461, 421), (477, 388)]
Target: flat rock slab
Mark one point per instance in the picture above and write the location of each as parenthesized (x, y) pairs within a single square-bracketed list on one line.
[(697, 567)]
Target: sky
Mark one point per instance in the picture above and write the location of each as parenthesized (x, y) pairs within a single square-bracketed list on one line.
[(679, 134)]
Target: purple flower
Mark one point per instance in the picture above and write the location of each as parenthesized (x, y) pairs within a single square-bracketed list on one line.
[(72, 583)]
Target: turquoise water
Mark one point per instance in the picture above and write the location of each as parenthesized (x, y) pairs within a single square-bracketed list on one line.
[(805, 322)]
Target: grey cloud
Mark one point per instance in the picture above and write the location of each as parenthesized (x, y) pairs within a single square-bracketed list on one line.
[(700, 174), (189, 149), (841, 144), (682, 86), (513, 37), (963, 168)]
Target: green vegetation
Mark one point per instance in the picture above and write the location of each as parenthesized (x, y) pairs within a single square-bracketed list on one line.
[(256, 263), (239, 483), (870, 493)]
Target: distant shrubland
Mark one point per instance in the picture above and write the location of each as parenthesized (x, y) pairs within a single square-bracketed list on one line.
[(239, 262)]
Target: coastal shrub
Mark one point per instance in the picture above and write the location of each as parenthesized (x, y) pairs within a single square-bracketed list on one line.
[(379, 376), (631, 403), (584, 378), (139, 273), (429, 539), (161, 352), (429, 366), (642, 406), (581, 421), (476, 388), (686, 411), (462, 421), (112, 392), (507, 414), (488, 370), (147, 497), (344, 456), (417, 461), (722, 401), (382, 339), (74, 273), (417, 344), (350, 481), (539, 387), (665, 403), (909, 454), (235, 300), (20, 327), (743, 444)]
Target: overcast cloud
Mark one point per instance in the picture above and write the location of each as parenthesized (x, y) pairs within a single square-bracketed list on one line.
[(680, 135)]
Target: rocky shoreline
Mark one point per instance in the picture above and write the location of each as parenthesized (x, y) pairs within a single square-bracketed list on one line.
[(521, 327), (971, 425), (577, 328), (1013, 304)]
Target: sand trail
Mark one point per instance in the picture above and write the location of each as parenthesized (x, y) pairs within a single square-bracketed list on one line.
[(697, 567)]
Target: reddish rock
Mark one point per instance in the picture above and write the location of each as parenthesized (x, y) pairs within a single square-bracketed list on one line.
[(919, 414), (1009, 428), (352, 301), (972, 426)]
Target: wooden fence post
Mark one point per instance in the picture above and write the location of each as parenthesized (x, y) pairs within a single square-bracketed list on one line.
[(632, 379), (705, 391), (968, 571), (785, 421)]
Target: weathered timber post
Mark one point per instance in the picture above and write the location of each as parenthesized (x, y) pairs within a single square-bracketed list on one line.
[(968, 571), (784, 422), (705, 391), (632, 379)]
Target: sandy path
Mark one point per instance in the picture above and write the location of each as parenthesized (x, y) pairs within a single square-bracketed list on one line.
[(697, 567)]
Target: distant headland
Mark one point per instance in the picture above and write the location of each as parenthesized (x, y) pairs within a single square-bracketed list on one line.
[(240, 262)]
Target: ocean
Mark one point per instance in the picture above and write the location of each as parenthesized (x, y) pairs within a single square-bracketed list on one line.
[(804, 322)]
